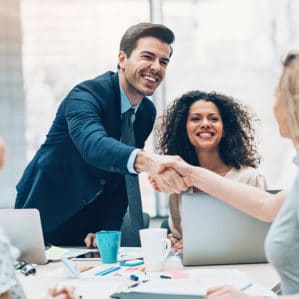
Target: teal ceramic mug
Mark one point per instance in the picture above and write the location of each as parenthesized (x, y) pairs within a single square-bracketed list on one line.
[(108, 244)]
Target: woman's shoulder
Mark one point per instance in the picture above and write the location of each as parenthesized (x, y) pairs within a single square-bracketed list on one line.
[(248, 175), (244, 171)]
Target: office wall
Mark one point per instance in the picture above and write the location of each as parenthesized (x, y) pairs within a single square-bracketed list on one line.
[(12, 103)]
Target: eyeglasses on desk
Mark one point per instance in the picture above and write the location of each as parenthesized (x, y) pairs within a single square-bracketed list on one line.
[(25, 268)]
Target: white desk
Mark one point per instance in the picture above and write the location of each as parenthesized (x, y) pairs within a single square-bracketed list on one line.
[(47, 275)]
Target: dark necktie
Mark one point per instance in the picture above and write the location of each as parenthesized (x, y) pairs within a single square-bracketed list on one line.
[(133, 191)]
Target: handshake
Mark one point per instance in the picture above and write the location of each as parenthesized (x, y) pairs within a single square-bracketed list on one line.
[(169, 174)]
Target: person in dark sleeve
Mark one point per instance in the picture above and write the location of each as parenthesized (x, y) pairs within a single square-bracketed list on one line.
[(77, 178)]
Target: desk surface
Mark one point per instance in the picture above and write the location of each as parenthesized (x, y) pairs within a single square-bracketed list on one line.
[(52, 273)]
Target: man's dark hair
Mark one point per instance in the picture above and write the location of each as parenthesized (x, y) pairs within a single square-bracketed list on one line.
[(237, 147), (134, 33)]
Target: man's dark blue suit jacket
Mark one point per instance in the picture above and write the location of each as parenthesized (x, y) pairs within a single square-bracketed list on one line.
[(82, 152)]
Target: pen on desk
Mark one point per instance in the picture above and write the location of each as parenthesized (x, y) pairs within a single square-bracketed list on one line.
[(136, 283), (246, 287), (165, 276), (85, 268), (107, 271)]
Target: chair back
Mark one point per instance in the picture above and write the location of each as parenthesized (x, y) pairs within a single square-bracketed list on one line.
[(164, 224), (129, 238)]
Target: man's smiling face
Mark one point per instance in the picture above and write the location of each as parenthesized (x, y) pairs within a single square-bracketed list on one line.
[(144, 70)]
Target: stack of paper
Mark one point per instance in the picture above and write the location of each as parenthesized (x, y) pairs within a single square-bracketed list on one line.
[(195, 286), (95, 288)]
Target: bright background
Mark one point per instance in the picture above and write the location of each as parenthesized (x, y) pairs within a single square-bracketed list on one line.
[(230, 46)]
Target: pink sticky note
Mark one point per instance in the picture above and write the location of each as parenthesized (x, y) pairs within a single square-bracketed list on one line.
[(178, 274)]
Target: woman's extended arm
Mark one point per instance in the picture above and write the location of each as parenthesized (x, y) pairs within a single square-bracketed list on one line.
[(250, 200)]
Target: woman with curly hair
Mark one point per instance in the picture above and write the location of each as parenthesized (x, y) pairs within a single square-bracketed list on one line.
[(215, 132)]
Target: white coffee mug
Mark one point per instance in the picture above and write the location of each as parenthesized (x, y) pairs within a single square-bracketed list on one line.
[(155, 248)]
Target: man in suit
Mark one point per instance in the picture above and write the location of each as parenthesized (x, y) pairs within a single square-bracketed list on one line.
[(76, 179)]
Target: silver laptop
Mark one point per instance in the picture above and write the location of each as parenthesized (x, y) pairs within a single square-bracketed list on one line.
[(23, 228), (216, 233)]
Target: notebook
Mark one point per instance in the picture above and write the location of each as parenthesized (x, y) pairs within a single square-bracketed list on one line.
[(23, 228), (215, 233)]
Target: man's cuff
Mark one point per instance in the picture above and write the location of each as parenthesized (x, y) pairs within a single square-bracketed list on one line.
[(131, 161)]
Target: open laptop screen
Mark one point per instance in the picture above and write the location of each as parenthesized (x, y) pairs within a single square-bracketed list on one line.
[(216, 233), (23, 228)]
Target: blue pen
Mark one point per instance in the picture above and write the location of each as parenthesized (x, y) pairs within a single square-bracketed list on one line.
[(107, 271)]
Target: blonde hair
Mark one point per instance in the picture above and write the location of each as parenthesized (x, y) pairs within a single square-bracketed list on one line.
[(289, 90)]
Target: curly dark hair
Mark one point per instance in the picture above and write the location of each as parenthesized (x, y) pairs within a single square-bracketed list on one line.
[(237, 147)]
